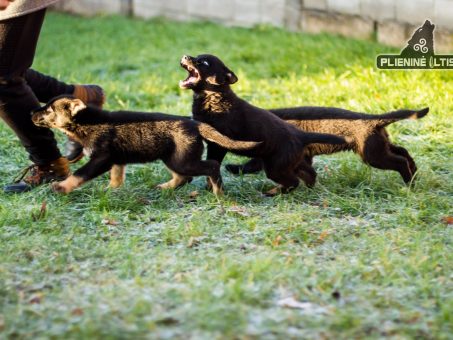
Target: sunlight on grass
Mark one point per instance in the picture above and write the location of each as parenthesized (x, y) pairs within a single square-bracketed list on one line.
[(370, 255)]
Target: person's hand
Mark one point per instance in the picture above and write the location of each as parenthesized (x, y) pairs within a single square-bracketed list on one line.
[(4, 4)]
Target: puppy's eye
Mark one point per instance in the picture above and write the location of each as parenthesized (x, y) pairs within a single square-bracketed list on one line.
[(204, 62)]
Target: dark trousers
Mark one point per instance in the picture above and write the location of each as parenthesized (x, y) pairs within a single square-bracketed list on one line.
[(22, 89)]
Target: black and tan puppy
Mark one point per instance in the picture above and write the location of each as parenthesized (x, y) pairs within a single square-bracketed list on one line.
[(282, 147), (366, 134), (113, 139)]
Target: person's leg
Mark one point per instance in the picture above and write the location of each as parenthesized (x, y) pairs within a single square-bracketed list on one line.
[(45, 87), (18, 39), (16, 103)]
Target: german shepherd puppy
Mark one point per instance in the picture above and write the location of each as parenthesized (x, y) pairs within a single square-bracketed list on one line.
[(113, 139), (366, 134), (282, 147)]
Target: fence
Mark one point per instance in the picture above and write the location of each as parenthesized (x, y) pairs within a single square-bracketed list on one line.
[(391, 22)]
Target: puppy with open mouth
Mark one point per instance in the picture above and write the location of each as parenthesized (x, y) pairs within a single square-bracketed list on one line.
[(113, 139), (282, 147)]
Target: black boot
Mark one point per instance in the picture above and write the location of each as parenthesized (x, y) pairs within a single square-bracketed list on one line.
[(74, 151), (57, 170)]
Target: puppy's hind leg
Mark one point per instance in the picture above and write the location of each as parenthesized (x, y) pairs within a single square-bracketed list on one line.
[(200, 168), (117, 175), (377, 154), (216, 153), (399, 150), (176, 181), (215, 178)]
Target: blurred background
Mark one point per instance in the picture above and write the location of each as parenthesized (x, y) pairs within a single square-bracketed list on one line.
[(389, 22)]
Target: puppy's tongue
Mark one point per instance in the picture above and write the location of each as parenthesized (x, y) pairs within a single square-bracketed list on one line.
[(190, 80)]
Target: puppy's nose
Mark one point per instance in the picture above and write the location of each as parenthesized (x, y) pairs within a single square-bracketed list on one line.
[(185, 58), (36, 118)]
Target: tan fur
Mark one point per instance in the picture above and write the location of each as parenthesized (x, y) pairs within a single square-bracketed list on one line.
[(274, 191), (216, 189), (176, 181), (68, 185), (340, 127), (117, 176), (212, 80), (182, 141), (214, 102), (212, 135)]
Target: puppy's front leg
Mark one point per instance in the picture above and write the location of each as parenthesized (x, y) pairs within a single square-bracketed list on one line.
[(117, 175), (69, 184), (95, 167)]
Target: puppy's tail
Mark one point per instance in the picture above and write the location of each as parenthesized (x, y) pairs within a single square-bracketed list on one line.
[(394, 116), (212, 135), (322, 138)]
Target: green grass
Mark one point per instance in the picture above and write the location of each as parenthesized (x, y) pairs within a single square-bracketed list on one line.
[(369, 255)]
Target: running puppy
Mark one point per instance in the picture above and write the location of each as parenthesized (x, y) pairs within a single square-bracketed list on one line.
[(367, 137), (113, 139), (282, 147)]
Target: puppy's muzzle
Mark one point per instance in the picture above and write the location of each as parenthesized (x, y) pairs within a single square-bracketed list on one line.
[(37, 119), (186, 60)]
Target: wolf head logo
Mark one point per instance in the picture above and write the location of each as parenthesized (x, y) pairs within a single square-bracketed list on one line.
[(421, 44)]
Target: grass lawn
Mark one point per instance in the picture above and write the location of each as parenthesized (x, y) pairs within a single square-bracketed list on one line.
[(360, 256)]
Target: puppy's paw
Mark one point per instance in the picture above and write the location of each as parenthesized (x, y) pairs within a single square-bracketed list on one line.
[(115, 184), (218, 191), (163, 186), (68, 185), (117, 176), (273, 192), (310, 184), (208, 184), (57, 187), (309, 180)]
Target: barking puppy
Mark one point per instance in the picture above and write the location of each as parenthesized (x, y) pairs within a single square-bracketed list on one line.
[(366, 133), (113, 139), (282, 147)]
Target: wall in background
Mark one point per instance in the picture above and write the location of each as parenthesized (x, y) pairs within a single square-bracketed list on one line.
[(389, 21)]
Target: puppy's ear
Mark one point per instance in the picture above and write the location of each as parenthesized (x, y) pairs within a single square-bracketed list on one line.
[(48, 108), (231, 78), (76, 105)]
